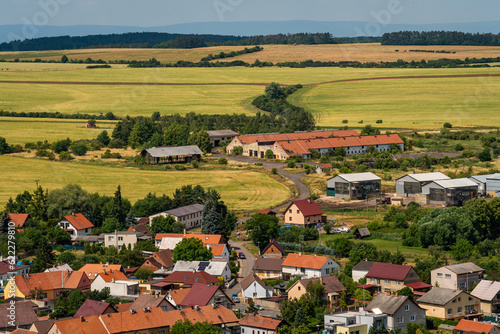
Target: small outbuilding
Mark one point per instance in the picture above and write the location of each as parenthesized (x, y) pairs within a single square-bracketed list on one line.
[(172, 154), (450, 192), (411, 184), (361, 232), (354, 186)]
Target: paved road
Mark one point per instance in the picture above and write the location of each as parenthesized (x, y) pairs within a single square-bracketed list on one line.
[(246, 266)]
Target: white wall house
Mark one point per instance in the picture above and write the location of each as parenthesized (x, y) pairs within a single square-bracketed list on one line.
[(76, 224), (253, 287), (191, 216), (220, 252), (116, 287), (309, 266)]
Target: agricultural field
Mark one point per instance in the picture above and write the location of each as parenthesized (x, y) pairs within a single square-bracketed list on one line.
[(22, 130), (240, 189), (363, 52)]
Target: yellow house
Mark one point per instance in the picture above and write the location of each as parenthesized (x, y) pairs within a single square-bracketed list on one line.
[(303, 213), (449, 304), (353, 329)]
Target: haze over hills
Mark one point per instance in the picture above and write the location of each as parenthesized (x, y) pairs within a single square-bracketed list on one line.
[(250, 28)]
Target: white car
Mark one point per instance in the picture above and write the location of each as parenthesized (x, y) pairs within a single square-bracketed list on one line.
[(345, 229)]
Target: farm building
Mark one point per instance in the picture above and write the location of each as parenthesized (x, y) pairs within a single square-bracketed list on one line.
[(488, 184), (354, 186), (450, 192), (191, 215), (362, 232), (411, 184), (221, 136), (172, 154)]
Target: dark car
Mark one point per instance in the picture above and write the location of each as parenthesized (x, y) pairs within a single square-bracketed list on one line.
[(241, 255)]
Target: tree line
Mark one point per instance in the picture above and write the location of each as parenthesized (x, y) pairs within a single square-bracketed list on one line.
[(439, 38)]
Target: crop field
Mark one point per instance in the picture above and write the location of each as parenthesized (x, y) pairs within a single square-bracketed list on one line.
[(22, 130), (401, 103), (241, 190), (363, 52)]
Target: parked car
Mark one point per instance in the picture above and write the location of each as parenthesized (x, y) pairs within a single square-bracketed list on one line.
[(259, 307), (235, 298), (345, 229), (336, 230), (241, 255)]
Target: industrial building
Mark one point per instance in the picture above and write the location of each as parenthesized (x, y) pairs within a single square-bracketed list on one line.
[(450, 192), (489, 185), (354, 186), (411, 184)]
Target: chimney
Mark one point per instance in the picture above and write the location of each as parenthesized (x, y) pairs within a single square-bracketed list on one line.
[(397, 294), (82, 319), (475, 319), (113, 280), (105, 273), (309, 200), (315, 255), (72, 213), (388, 293), (300, 253), (184, 231)]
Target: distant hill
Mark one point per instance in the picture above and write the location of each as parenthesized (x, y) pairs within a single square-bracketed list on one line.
[(252, 28)]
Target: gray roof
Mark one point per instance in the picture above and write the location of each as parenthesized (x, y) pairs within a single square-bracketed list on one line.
[(170, 151), (222, 133), (387, 304), (462, 268), (245, 283), (486, 290), (24, 315), (271, 264), (483, 178), (363, 231), (214, 268), (62, 267), (363, 265), (439, 296), (456, 183), (186, 210), (90, 238), (426, 177), (359, 177)]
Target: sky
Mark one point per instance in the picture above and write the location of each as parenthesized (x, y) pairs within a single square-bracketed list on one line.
[(148, 13)]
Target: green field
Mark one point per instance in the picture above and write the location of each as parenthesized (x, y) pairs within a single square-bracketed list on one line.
[(22, 130), (240, 189), (413, 103)]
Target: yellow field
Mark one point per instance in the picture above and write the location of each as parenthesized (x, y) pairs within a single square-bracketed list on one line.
[(363, 52), (240, 189)]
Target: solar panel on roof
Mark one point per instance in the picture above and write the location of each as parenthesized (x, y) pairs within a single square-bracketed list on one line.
[(203, 265)]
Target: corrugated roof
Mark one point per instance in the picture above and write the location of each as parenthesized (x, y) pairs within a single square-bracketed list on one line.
[(79, 221), (307, 207), (427, 177), (474, 326), (486, 290), (185, 210), (456, 183), (390, 271), (171, 151), (257, 321), (268, 263), (462, 268), (305, 261), (439, 296), (483, 178), (387, 304), (222, 133), (359, 177)]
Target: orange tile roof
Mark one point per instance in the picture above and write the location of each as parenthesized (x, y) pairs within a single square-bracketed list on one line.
[(474, 326), (255, 320), (23, 331), (205, 238), (218, 249), (83, 325), (272, 137), (217, 316), (305, 261), (52, 281), (18, 218), (95, 268), (132, 321), (79, 221), (123, 307), (109, 275), (178, 295)]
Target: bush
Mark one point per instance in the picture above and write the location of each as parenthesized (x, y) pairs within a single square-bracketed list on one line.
[(274, 170), (79, 148), (291, 164), (65, 156), (222, 161), (447, 125), (195, 164), (180, 167), (258, 164), (345, 121), (117, 143), (379, 121), (459, 147)]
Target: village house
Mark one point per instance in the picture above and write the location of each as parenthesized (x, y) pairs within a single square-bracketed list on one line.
[(214, 268), (309, 266), (411, 184), (273, 249), (268, 268), (390, 277), (191, 216), (120, 239), (220, 252), (145, 301), (450, 304), (354, 186), (469, 326), (203, 295), (141, 228), (25, 316), (254, 323), (186, 279), (457, 276), (117, 283), (360, 270), (353, 322), (175, 297), (488, 293), (76, 225), (303, 213), (170, 240), (159, 260), (47, 285), (400, 310), (323, 168), (94, 269), (19, 219), (93, 307), (253, 287), (332, 285), (8, 270)]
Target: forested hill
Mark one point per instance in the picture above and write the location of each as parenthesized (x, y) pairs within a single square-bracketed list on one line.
[(167, 40), (439, 38)]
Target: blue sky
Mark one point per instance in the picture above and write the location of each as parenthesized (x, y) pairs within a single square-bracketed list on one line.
[(166, 12)]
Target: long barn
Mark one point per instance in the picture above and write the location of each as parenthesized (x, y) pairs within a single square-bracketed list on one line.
[(172, 154)]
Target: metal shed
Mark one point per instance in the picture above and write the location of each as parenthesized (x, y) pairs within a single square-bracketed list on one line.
[(172, 154), (354, 186), (487, 183), (450, 192), (411, 184)]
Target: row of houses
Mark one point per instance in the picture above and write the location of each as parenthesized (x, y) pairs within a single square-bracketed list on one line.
[(303, 144)]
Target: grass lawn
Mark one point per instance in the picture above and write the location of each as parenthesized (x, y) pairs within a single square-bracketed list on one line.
[(414, 103), (240, 190), (22, 130)]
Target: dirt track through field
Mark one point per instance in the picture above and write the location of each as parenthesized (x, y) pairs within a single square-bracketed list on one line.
[(242, 83)]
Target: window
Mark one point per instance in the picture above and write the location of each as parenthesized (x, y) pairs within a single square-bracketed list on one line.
[(387, 290), (400, 320), (111, 238), (290, 219), (459, 299), (164, 308), (387, 281), (255, 295), (290, 211), (470, 298), (412, 318), (439, 275), (459, 310), (298, 211), (447, 276), (298, 288), (449, 311), (327, 270), (469, 309), (411, 188), (398, 282), (341, 188), (407, 307), (120, 238), (372, 279), (454, 301)]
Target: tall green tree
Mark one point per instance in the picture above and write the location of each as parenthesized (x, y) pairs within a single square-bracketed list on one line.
[(38, 205), (4, 220), (261, 228), (117, 210), (191, 249), (166, 224), (70, 199), (187, 327)]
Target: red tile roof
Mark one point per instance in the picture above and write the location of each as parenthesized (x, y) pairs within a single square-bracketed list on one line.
[(266, 212), (307, 207), (199, 294), (189, 278), (123, 307), (255, 320), (323, 166), (79, 221), (93, 307), (110, 274), (305, 261), (273, 137), (178, 295), (6, 267), (218, 249), (18, 218), (52, 281), (418, 285), (206, 238), (84, 325), (141, 228), (92, 269), (216, 315), (474, 326), (382, 270)]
